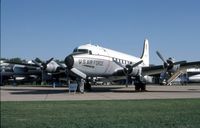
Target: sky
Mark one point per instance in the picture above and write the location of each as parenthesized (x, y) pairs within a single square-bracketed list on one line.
[(53, 28)]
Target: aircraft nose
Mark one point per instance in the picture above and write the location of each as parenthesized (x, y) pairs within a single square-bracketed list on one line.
[(69, 61)]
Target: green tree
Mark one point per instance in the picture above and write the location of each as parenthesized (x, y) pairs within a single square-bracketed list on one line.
[(16, 60)]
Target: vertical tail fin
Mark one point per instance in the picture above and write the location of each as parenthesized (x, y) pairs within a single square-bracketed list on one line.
[(145, 53)]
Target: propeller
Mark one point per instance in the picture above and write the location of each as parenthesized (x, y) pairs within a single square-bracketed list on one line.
[(161, 57), (42, 65), (169, 63), (128, 69), (66, 71)]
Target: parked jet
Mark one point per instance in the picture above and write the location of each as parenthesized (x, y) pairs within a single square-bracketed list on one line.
[(88, 61)]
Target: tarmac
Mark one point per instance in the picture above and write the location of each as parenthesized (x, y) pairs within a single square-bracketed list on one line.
[(116, 92)]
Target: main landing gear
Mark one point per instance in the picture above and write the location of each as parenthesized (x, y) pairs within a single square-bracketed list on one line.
[(140, 84)]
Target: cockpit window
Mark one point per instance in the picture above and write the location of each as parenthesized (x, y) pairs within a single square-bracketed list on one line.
[(82, 51), (75, 50)]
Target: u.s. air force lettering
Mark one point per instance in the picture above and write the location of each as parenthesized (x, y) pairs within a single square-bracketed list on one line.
[(90, 62)]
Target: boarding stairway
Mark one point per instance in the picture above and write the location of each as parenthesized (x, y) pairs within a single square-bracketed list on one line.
[(173, 77)]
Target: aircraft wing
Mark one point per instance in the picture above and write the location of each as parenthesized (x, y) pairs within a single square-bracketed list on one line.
[(25, 64), (195, 64), (154, 70)]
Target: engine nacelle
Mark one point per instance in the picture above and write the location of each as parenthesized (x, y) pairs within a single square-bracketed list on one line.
[(135, 71), (19, 69), (174, 68), (52, 67)]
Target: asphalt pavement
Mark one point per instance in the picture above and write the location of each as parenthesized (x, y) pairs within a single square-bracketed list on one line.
[(116, 92)]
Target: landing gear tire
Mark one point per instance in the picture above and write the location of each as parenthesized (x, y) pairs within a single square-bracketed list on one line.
[(143, 88), (140, 87), (78, 88), (137, 87), (87, 86), (140, 84)]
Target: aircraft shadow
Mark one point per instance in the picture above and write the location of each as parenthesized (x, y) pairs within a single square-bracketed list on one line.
[(57, 91), (94, 90), (37, 91), (131, 90)]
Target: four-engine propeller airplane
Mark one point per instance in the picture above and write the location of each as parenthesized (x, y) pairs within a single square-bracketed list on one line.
[(90, 61), (35, 70)]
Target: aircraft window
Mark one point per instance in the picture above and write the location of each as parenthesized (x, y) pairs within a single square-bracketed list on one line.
[(82, 50), (115, 59), (90, 52), (75, 50)]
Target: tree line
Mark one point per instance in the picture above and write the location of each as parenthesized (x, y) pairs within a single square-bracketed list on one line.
[(20, 60)]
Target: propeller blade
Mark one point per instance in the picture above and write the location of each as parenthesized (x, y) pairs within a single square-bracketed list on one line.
[(119, 64), (136, 64), (180, 62), (38, 60), (79, 73), (35, 62), (161, 57), (48, 61)]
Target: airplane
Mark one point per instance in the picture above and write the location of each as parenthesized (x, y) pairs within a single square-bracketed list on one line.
[(193, 75), (89, 61), (33, 71), (16, 71)]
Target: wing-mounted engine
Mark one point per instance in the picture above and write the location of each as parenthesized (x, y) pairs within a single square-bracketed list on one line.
[(170, 69), (52, 67), (19, 69), (135, 71), (43, 67), (130, 70)]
